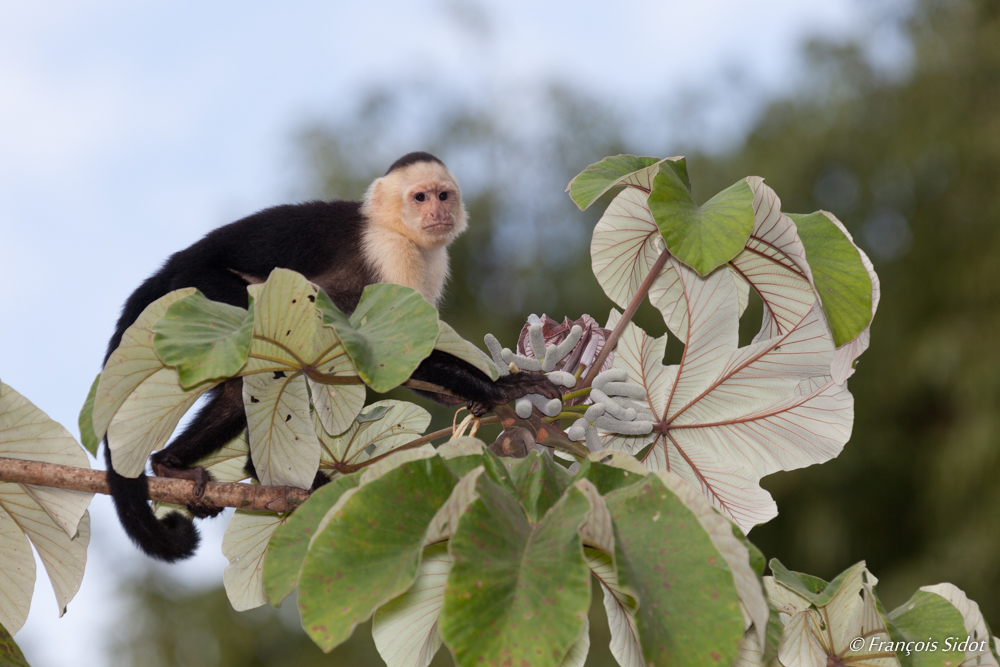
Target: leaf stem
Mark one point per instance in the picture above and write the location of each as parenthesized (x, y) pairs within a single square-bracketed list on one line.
[(626, 317), (579, 393), (347, 468)]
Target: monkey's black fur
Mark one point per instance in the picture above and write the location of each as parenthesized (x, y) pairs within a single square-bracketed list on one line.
[(322, 241)]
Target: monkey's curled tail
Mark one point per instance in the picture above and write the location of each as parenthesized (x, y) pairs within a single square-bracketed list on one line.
[(169, 539)]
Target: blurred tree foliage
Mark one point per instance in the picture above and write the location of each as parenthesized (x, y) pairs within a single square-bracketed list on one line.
[(910, 164), (913, 170)]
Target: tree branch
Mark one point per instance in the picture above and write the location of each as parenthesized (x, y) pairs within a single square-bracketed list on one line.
[(162, 489), (612, 342)]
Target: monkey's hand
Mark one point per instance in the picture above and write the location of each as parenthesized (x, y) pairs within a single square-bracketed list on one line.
[(514, 386)]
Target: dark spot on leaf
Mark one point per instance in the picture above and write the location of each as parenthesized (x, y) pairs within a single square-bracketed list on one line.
[(278, 375), (312, 298), (295, 300), (288, 417), (253, 399), (288, 333)]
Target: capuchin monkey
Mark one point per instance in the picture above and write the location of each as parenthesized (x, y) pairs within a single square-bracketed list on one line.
[(399, 234)]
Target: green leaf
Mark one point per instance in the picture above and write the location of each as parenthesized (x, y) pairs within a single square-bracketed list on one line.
[(613, 171), (607, 478), (812, 588), (204, 340), (927, 617), (540, 483), (10, 654), (87, 436), (689, 610), (517, 592), (290, 542), (757, 560), (391, 331), (704, 237), (369, 551), (402, 328), (839, 274)]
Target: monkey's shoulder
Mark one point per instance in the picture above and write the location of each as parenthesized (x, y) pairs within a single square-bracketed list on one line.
[(307, 237)]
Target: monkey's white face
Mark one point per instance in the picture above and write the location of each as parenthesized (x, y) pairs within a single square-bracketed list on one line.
[(421, 201), (432, 209)]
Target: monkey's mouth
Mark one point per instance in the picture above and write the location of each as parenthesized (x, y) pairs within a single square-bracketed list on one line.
[(440, 228)]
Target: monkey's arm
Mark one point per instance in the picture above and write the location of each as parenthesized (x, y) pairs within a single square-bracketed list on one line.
[(469, 383)]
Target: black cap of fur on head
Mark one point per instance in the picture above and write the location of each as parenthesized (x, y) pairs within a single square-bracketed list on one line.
[(412, 158)]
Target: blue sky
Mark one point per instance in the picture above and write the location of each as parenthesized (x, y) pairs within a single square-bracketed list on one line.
[(128, 130)]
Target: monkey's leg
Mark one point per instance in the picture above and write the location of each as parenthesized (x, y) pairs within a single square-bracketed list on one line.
[(219, 421)]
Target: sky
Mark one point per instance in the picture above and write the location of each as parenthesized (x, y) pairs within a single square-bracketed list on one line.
[(129, 130)]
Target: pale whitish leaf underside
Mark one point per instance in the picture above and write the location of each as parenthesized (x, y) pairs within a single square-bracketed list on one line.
[(818, 636), (244, 545), (627, 241), (55, 521), (727, 416)]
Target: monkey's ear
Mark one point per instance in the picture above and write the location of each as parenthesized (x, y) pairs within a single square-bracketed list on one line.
[(375, 197)]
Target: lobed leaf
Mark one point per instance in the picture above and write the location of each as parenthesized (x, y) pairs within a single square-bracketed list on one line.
[(449, 341), (406, 628), (86, 421), (244, 544), (732, 549), (64, 557), (203, 340), (131, 363), (540, 483), (620, 608), (290, 542), (228, 464), (397, 423), (689, 608), (774, 263), (518, 591), (146, 419), (390, 332), (369, 551), (817, 634), (840, 276), (625, 245), (283, 441), (17, 576), (10, 653), (27, 433), (727, 416), (702, 237), (927, 617), (638, 172), (975, 625)]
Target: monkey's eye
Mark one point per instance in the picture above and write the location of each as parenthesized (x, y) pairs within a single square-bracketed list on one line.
[(420, 196), (443, 196)]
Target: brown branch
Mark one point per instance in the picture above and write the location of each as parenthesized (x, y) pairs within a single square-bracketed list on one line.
[(162, 489), (612, 342)]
